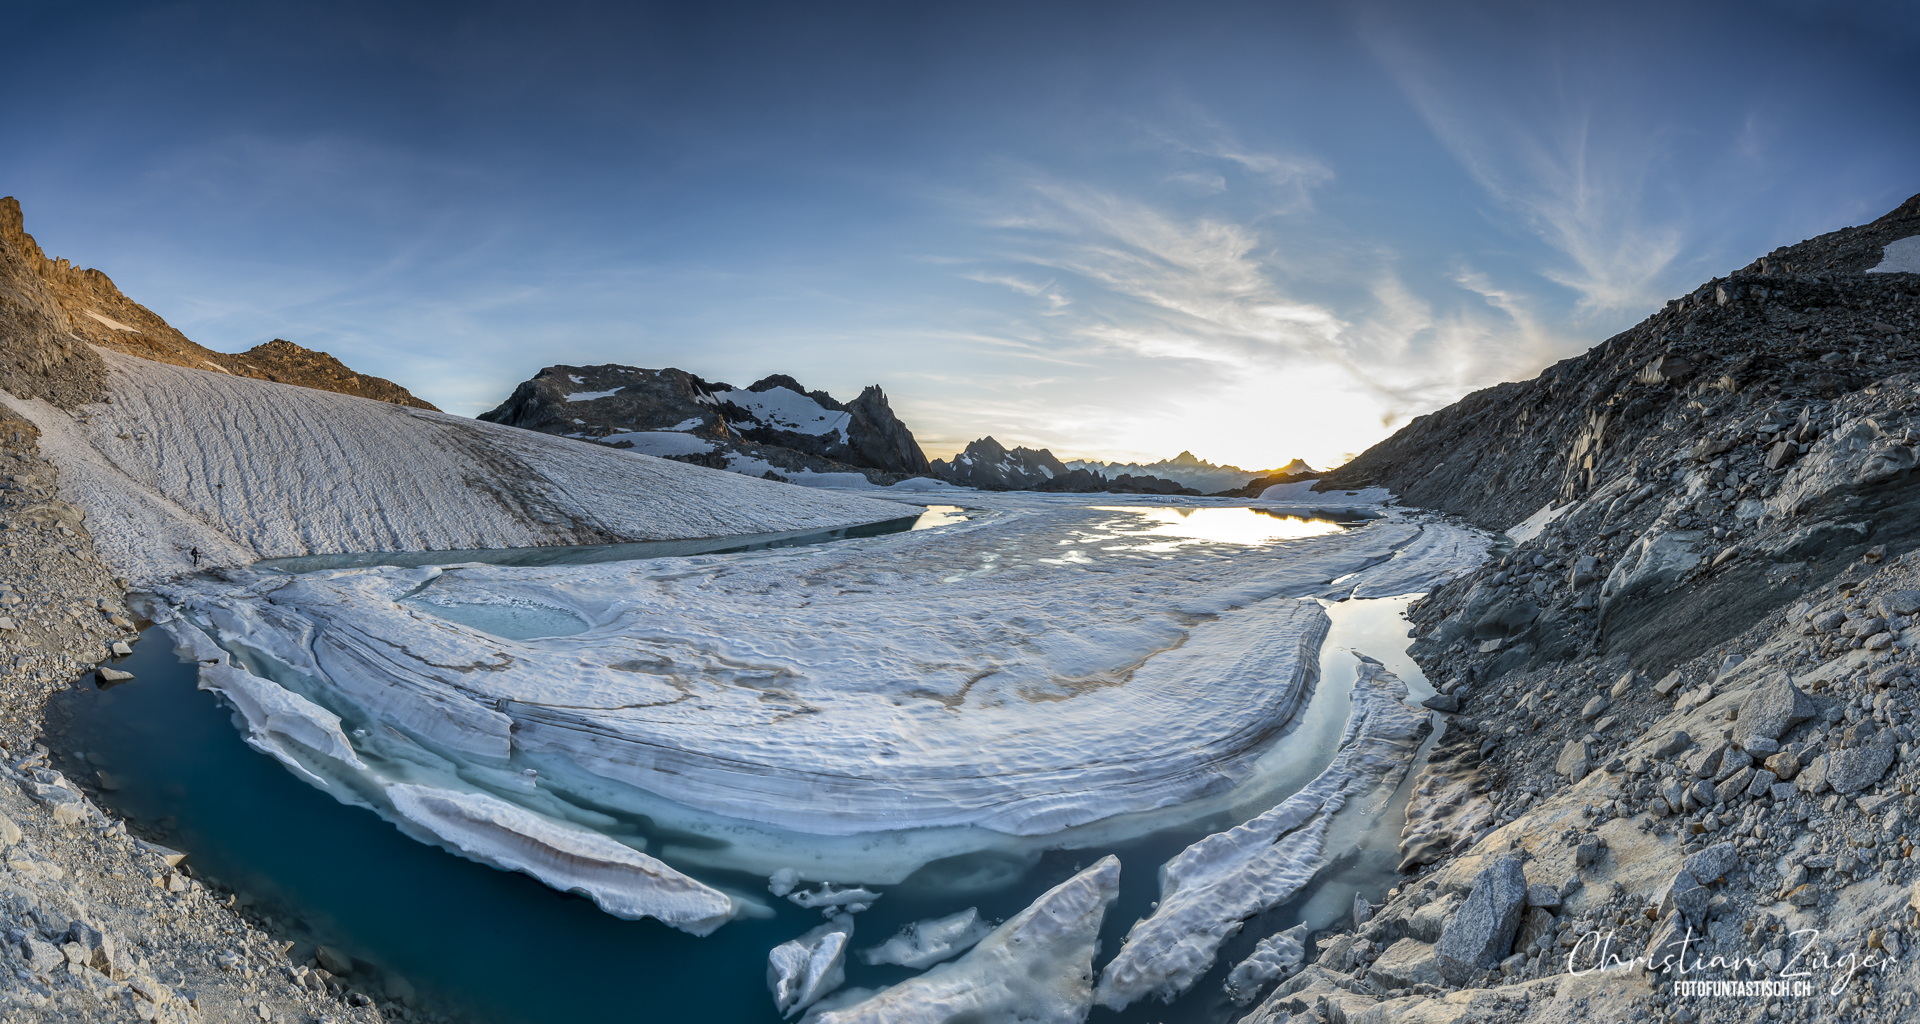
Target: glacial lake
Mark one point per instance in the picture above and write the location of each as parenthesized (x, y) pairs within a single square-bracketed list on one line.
[(494, 947)]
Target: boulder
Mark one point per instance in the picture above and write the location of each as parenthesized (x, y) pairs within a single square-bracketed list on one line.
[(1667, 950), (1853, 769), (1686, 895), (1712, 863), (1542, 895), (1480, 935), (1575, 760), (1673, 744), (1443, 702), (1405, 964)]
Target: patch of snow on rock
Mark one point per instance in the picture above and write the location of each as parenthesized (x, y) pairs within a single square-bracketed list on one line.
[(1901, 257)]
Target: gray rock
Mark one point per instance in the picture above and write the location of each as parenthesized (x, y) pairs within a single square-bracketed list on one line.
[(41, 956), (1429, 921), (1668, 683), (1686, 895), (1405, 964), (1538, 925), (1541, 895), (1813, 778), (1735, 784), (1703, 794), (1763, 781), (1668, 948), (1853, 769), (1625, 685), (1575, 761), (10, 833), (112, 676), (1362, 910), (332, 960), (1673, 744), (1705, 762), (1586, 853), (1780, 791), (1761, 746), (1480, 935), (120, 648), (1444, 702), (1712, 863), (1593, 709), (1900, 602)]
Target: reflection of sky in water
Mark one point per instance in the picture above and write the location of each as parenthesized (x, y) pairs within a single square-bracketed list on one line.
[(939, 515), (1214, 525)]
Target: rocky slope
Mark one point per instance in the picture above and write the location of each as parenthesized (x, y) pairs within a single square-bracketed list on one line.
[(50, 311), (1682, 696), (774, 428), (991, 466), (95, 923)]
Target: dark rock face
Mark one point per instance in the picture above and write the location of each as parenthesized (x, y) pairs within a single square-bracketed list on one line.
[(1726, 456), (1803, 323), (991, 466), (775, 426), (1479, 936), (880, 439)]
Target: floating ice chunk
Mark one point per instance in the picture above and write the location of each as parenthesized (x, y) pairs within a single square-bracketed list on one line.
[(1530, 527), (275, 715), (1302, 493), (1209, 888), (831, 895), (1037, 968), (623, 881), (781, 882), (800, 971), (1440, 552), (1276, 956), (925, 943)]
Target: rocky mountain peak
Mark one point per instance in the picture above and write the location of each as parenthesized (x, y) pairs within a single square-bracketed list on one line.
[(775, 427), (51, 311)]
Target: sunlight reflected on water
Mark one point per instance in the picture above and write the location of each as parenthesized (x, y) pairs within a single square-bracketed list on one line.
[(1222, 525)]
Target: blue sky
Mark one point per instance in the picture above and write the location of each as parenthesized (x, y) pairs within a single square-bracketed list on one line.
[(1256, 231)]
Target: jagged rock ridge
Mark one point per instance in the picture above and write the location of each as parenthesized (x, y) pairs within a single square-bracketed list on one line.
[(51, 311), (1735, 449), (774, 427), (1189, 470), (991, 466)]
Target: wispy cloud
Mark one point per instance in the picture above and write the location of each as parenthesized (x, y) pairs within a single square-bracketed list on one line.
[(1580, 189)]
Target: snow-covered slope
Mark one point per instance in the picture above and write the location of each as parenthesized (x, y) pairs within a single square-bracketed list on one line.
[(245, 469)]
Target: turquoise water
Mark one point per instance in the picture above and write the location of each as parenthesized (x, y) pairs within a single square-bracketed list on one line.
[(495, 947)]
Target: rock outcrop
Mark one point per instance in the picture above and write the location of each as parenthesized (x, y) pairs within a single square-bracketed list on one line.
[(52, 311), (774, 427), (1680, 709), (1189, 470)]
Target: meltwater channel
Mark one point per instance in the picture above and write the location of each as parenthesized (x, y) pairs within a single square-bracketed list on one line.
[(467, 942)]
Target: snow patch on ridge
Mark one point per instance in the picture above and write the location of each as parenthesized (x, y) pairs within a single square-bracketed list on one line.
[(1901, 257)]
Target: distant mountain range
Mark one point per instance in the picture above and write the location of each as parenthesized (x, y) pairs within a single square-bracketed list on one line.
[(777, 429), (1189, 470)]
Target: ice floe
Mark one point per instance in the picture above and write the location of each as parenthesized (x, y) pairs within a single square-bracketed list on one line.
[(1035, 670), (1209, 889), (1037, 968), (800, 971), (921, 944), (245, 469), (1274, 957), (621, 880)]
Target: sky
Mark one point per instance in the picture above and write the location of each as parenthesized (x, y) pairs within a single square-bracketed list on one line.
[(1256, 231)]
